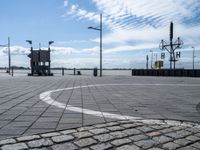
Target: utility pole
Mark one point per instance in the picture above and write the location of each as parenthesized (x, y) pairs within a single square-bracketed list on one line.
[(172, 46)]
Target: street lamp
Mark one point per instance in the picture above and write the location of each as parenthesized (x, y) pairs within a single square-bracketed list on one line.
[(193, 57), (49, 49), (99, 29), (30, 42), (151, 58)]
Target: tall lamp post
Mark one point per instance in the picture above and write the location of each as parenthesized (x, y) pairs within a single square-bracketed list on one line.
[(99, 28), (49, 49), (193, 57), (30, 42)]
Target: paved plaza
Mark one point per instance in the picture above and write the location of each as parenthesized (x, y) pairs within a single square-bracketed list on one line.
[(37, 105)]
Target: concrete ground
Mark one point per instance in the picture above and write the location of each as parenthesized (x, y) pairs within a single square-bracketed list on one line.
[(23, 111)]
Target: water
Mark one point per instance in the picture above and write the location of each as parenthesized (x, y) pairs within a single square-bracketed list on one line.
[(18, 72)]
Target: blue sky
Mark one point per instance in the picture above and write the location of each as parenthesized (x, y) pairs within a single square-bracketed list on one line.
[(131, 28)]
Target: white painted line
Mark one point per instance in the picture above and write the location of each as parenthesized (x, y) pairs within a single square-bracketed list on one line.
[(46, 97)]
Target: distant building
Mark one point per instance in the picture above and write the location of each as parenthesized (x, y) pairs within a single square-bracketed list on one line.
[(158, 64), (40, 63)]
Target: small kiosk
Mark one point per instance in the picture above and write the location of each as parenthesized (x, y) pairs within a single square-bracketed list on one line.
[(40, 63)]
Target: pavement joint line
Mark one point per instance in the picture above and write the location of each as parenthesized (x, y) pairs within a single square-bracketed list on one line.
[(46, 97)]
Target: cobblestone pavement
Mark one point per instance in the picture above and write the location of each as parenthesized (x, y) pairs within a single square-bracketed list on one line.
[(119, 135), (23, 113)]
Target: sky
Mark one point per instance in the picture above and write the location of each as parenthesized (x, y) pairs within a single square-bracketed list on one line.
[(132, 29)]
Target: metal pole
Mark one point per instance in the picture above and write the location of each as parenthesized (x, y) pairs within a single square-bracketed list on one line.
[(9, 58), (101, 45), (49, 71), (171, 44), (147, 64), (31, 60), (193, 58), (151, 59)]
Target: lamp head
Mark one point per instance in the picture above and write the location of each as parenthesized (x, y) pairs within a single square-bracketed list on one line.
[(29, 41), (51, 42)]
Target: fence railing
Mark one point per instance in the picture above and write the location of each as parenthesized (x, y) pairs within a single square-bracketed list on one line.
[(166, 72), (65, 72)]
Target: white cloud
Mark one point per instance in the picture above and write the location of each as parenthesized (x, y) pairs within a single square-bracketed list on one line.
[(65, 3), (142, 21), (14, 50), (63, 50)]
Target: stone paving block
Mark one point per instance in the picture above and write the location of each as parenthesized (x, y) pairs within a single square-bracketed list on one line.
[(196, 145), (167, 130), (162, 139), (68, 131), (82, 134), (102, 146), (120, 142), (131, 131), (18, 146), (153, 134), (99, 131), (104, 137), (193, 130), (44, 148), (115, 128), (85, 142), (198, 134), (158, 127), (40, 143), (62, 138), (85, 149), (136, 138), (118, 134), (145, 129), (171, 146), (85, 128), (128, 147), (145, 143), (130, 125), (100, 125), (188, 148), (193, 138), (7, 141), (65, 146), (183, 133), (112, 123), (155, 148), (174, 135), (182, 142), (28, 138), (50, 134)]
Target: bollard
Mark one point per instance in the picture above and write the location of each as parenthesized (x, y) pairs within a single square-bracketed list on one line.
[(95, 72), (74, 71), (12, 72), (63, 72)]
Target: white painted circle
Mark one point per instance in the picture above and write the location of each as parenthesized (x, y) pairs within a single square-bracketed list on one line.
[(46, 97)]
